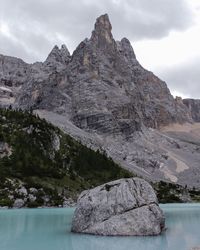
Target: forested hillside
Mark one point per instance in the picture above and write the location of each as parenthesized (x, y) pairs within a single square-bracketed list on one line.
[(35, 154)]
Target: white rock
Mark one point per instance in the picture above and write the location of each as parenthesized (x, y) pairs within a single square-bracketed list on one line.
[(18, 203), (69, 203), (4, 207), (11, 197), (31, 197), (122, 207), (33, 190), (23, 191)]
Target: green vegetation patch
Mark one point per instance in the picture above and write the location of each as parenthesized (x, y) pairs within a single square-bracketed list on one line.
[(42, 156)]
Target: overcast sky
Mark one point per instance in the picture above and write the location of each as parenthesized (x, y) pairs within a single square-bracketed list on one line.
[(165, 34)]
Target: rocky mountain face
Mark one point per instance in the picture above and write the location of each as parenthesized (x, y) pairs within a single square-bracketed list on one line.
[(194, 107), (13, 74), (101, 86), (17, 76), (102, 96)]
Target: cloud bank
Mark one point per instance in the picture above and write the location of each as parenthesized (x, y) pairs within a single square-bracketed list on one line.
[(32, 27), (184, 78)]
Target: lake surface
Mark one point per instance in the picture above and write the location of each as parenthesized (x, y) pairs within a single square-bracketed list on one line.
[(49, 229)]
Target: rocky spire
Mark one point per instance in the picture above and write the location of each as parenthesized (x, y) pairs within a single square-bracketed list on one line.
[(61, 55), (64, 51), (102, 33), (126, 51), (53, 54), (127, 47)]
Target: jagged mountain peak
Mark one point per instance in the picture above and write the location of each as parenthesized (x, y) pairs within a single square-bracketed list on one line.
[(103, 23), (102, 47), (104, 79), (64, 50), (57, 54), (54, 51), (102, 34), (125, 43)]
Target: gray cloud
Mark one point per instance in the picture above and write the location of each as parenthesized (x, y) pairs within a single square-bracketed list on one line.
[(35, 25), (184, 78)]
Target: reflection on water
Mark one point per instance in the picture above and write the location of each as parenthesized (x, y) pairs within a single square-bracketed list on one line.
[(49, 229)]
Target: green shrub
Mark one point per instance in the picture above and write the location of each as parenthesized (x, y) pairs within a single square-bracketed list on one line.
[(6, 202)]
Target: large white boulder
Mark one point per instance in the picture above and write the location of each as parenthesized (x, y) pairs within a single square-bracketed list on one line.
[(122, 207)]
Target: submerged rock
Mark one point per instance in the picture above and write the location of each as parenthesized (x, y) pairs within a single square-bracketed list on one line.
[(122, 207)]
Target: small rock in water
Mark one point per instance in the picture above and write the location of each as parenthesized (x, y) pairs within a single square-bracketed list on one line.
[(122, 207)]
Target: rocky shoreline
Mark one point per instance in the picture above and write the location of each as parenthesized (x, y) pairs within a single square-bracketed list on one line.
[(18, 196)]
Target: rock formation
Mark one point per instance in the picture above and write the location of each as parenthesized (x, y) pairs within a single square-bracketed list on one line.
[(101, 87), (122, 207), (102, 96), (13, 74), (194, 107)]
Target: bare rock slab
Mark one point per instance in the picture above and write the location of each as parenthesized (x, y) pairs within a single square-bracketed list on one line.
[(122, 207)]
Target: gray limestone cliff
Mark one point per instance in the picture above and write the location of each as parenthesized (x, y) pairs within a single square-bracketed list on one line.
[(194, 107), (102, 96), (101, 87), (14, 73), (123, 207)]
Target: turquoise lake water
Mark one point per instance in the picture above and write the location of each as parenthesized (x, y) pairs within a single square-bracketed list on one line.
[(49, 229)]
